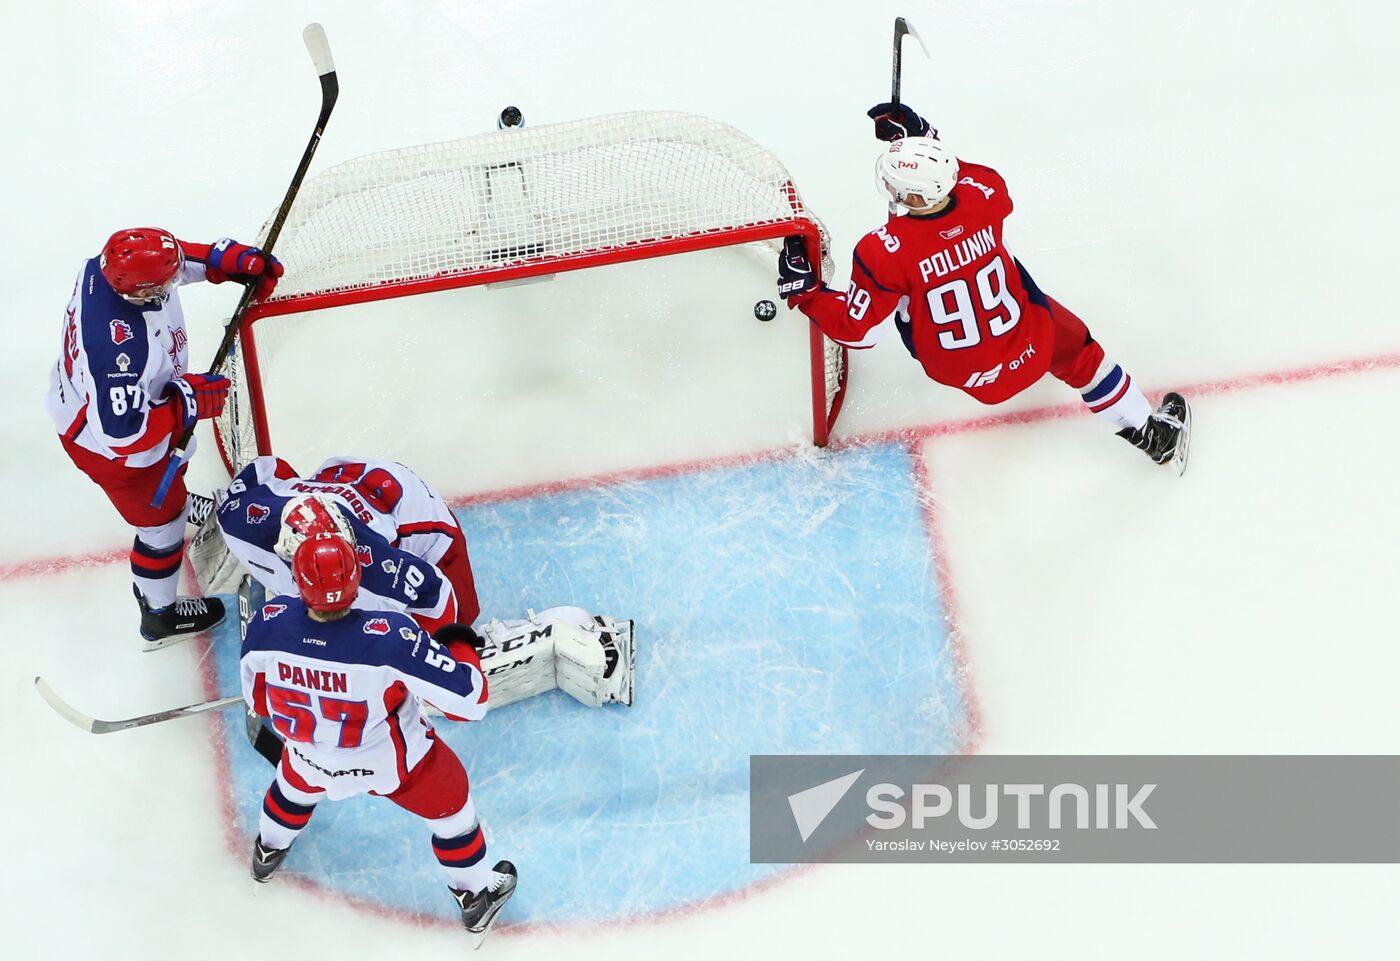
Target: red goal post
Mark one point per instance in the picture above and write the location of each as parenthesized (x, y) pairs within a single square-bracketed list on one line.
[(520, 203)]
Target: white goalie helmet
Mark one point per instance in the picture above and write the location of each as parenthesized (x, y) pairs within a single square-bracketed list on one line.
[(306, 516), (917, 165)]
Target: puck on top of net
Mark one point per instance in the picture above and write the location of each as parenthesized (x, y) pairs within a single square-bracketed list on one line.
[(510, 117), (765, 310)]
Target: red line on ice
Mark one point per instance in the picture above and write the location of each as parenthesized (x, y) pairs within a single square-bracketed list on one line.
[(913, 437), (1323, 371)]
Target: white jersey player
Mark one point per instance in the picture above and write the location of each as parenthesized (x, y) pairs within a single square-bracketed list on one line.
[(342, 688), (409, 542), (413, 558), (121, 393)]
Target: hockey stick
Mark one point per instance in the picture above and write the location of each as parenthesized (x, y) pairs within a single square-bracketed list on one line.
[(902, 27), (94, 726), (320, 50)]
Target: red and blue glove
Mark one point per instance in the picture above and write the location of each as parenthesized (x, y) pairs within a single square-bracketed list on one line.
[(201, 396), (795, 277), (228, 259), (895, 121)]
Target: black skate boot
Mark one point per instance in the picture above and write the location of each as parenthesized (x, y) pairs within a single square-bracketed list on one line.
[(480, 910), (266, 860), (200, 507), (180, 621), (1166, 437)]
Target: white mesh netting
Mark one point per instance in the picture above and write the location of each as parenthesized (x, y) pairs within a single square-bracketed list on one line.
[(525, 198)]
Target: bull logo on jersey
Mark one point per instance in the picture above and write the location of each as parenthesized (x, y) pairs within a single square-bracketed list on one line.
[(377, 625), (257, 513), (952, 233), (272, 610), (121, 332), (363, 552)]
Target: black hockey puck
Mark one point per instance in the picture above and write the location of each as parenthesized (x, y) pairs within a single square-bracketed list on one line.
[(510, 117), (765, 310)]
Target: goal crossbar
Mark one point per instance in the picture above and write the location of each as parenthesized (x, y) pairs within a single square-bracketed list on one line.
[(524, 203)]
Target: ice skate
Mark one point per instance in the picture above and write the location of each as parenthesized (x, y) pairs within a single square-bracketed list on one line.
[(480, 910), (183, 619), (266, 860), (1166, 437)]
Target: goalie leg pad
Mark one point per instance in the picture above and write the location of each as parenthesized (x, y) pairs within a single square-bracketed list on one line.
[(518, 660), (216, 570), (594, 665), (589, 658)]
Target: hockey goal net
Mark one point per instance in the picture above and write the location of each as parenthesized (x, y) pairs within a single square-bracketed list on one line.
[(521, 203)]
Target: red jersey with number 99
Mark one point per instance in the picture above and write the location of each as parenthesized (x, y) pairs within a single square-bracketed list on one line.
[(963, 305)]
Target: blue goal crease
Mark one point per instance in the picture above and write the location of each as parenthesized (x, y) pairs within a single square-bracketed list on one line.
[(783, 607)]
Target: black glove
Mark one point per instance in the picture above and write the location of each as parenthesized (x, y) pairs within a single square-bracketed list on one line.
[(895, 121), (450, 634), (795, 277)]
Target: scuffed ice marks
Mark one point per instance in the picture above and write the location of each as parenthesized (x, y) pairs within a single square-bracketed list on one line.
[(782, 606)]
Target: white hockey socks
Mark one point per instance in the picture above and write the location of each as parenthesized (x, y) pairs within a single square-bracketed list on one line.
[(156, 557), (1112, 395), (285, 812), (460, 848)]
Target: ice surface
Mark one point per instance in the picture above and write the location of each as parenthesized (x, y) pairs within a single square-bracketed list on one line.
[(1207, 185), (782, 607)]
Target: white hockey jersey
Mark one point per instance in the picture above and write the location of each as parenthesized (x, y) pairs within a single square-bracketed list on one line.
[(106, 393), (395, 576), (391, 499), (344, 694)]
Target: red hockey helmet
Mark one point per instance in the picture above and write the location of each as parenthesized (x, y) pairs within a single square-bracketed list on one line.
[(327, 572), (142, 263)]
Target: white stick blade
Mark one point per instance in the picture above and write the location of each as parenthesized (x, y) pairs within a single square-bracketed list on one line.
[(915, 34), (319, 47), (61, 706)]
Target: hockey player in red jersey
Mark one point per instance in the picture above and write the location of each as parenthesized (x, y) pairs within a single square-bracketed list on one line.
[(121, 393), (342, 686), (965, 308)]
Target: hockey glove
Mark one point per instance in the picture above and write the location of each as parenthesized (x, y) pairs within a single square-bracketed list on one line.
[(201, 396), (229, 259), (462, 642), (795, 278), (895, 121)]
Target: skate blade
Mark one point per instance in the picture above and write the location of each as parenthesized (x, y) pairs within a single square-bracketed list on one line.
[(1183, 442), (147, 646), (480, 932)]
